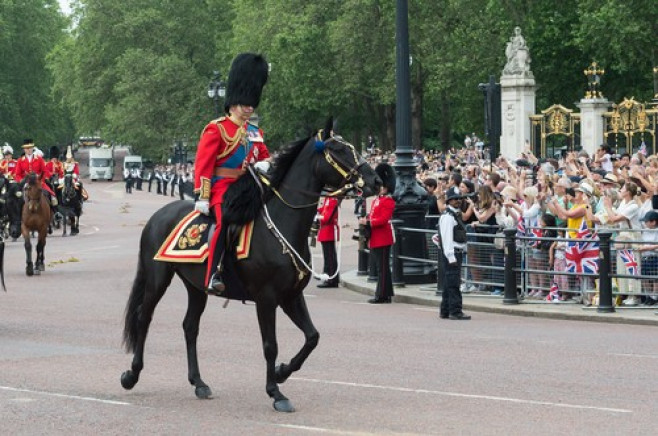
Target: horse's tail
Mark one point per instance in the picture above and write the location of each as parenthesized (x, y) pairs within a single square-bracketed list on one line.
[(133, 308), (2, 265)]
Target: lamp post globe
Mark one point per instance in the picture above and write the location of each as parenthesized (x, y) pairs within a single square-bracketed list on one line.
[(216, 91)]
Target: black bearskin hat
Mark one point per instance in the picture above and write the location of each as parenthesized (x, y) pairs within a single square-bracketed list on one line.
[(54, 152), (387, 174), (246, 80)]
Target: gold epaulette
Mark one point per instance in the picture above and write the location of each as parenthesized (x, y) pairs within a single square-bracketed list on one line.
[(218, 120)]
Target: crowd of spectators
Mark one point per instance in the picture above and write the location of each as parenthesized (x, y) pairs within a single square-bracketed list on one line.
[(552, 197)]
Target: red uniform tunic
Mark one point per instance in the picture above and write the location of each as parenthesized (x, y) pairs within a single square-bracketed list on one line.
[(225, 146), (224, 150), (54, 166), (381, 229), (71, 167), (36, 165), (8, 167), (328, 212)]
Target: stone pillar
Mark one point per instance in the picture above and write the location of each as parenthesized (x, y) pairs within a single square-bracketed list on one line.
[(591, 123), (517, 97)]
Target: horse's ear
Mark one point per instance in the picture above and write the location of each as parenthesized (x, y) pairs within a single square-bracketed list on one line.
[(328, 129)]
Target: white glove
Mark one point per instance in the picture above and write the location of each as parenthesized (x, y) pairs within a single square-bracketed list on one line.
[(262, 166), (202, 206)]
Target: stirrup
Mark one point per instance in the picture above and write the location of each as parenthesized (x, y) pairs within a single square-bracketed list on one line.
[(216, 286)]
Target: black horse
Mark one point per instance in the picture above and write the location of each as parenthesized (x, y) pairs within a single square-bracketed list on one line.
[(299, 174), (70, 204), (13, 204)]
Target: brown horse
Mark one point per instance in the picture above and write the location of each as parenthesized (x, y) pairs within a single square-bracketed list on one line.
[(36, 217)]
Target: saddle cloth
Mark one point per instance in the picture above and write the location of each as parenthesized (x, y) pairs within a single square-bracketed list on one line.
[(188, 241)]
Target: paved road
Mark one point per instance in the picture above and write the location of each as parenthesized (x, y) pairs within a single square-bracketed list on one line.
[(386, 369)]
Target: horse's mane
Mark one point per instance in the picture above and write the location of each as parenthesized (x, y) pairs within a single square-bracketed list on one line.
[(284, 161), (32, 179)]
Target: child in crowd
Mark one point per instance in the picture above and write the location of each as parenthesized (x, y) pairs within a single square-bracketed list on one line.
[(558, 261)]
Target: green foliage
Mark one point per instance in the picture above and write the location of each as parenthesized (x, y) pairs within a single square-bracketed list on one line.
[(137, 70)]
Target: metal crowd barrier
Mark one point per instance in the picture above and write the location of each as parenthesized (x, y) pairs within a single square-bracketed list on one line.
[(502, 264)]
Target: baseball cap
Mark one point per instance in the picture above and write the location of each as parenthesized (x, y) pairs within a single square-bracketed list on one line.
[(652, 215)]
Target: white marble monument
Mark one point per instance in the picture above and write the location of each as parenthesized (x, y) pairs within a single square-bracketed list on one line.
[(517, 87)]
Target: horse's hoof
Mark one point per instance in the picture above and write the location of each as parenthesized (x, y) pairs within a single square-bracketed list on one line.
[(284, 406), (37, 272), (203, 392), (128, 380), (63, 235), (42, 267), (29, 271)]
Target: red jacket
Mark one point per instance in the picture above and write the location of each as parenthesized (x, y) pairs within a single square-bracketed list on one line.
[(381, 229), (328, 212), (24, 167), (221, 146), (8, 167), (55, 167)]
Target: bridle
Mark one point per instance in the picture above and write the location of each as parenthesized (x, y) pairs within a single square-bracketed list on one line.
[(352, 180), (33, 202)]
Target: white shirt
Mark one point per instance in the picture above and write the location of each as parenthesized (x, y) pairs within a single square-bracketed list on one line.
[(630, 211), (446, 225)]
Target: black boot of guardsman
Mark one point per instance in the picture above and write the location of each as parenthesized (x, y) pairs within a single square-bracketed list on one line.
[(216, 286)]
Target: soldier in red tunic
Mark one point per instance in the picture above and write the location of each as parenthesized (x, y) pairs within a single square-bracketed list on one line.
[(328, 234), (54, 165), (8, 164), (381, 233), (31, 163), (226, 147)]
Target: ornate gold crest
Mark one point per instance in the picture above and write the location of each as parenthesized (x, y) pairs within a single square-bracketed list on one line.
[(192, 236)]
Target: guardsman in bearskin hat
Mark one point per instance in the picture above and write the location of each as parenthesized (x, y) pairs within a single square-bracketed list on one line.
[(8, 163), (328, 234), (226, 147), (32, 163), (54, 165), (381, 233)]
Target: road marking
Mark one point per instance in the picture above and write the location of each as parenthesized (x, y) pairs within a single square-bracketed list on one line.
[(70, 397), (648, 356), (322, 430), (459, 395)]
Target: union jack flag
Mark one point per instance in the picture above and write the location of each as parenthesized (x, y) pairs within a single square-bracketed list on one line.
[(553, 295), (535, 233), (582, 255), (520, 227), (630, 263)]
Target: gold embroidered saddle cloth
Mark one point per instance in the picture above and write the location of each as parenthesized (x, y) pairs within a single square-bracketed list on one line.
[(188, 242)]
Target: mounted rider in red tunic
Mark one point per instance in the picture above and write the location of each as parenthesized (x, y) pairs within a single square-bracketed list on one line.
[(227, 146), (32, 163), (54, 165), (8, 163)]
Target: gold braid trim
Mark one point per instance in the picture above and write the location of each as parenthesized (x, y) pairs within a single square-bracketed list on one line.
[(204, 189), (231, 141)]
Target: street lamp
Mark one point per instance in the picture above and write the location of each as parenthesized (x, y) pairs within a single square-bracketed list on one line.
[(216, 91)]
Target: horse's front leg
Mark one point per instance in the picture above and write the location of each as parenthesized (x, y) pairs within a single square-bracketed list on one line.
[(298, 312), (196, 304), (29, 268), (40, 263), (64, 225), (266, 311), (75, 222)]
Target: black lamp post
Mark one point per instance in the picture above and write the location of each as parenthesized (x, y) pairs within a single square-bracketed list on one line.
[(216, 91), (410, 197)]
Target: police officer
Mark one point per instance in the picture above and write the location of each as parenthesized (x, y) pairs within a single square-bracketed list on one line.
[(452, 232)]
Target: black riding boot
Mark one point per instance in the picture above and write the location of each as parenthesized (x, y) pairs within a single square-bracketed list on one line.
[(216, 286)]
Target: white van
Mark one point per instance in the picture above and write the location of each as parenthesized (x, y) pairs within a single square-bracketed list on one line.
[(133, 162), (101, 164)]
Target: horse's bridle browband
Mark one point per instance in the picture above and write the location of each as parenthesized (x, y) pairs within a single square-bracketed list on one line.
[(351, 178)]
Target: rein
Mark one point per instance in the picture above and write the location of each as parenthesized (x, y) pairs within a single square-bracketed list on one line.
[(349, 175)]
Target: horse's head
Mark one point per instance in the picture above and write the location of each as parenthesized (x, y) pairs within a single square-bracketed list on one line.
[(33, 193), (342, 168), (68, 189)]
